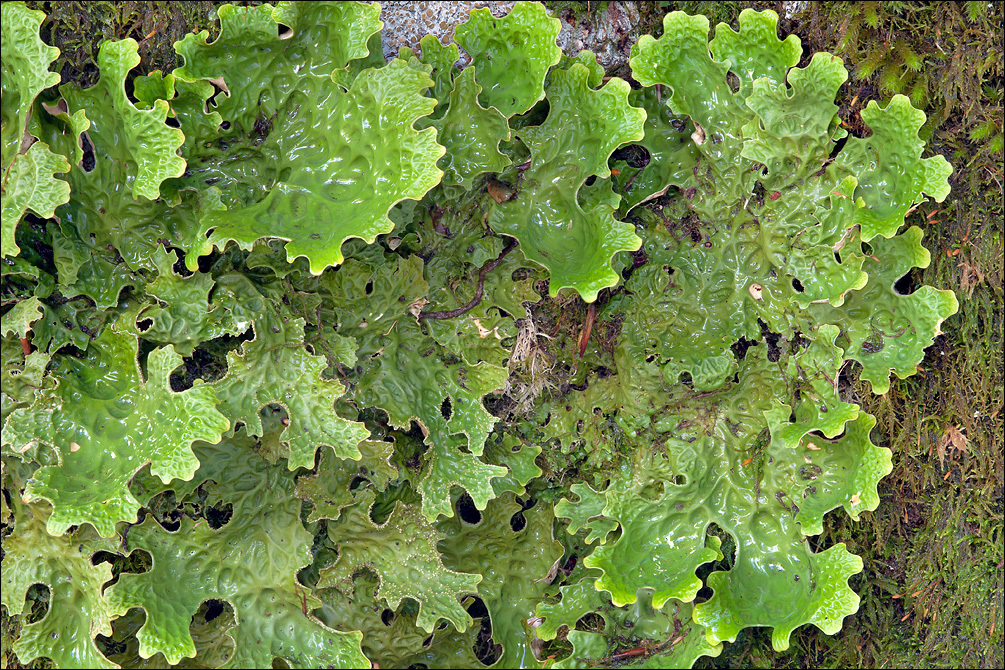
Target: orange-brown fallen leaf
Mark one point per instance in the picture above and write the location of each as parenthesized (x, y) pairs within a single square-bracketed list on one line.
[(953, 439)]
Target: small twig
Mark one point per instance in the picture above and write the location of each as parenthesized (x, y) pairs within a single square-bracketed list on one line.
[(125, 538), (479, 292), (302, 594), (707, 394), (584, 336), (631, 181)]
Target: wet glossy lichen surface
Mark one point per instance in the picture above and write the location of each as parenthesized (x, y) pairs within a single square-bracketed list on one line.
[(281, 328)]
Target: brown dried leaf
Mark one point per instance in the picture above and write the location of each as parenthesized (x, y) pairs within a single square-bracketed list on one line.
[(971, 275), (952, 438)]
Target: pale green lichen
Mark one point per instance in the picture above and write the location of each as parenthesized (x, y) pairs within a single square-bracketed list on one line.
[(376, 304)]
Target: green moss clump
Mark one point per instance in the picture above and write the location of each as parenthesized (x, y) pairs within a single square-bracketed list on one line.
[(78, 28)]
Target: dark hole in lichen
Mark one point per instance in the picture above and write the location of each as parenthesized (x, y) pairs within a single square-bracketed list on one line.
[(798, 343), (467, 511), (219, 516), (110, 646), (125, 557), (639, 259), (484, 648), (741, 346), (615, 534), (387, 617), (836, 149), (88, 161), (591, 622), (446, 409), (905, 285), (533, 117), (214, 608), (179, 266), (772, 338), (798, 285), (217, 90), (636, 155), (726, 563), (180, 380), (38, 595)]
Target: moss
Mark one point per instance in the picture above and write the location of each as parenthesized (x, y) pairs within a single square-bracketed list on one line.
[(79, 28), (578, 10)]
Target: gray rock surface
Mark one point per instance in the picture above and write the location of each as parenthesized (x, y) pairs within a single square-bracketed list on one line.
[(610, 36)]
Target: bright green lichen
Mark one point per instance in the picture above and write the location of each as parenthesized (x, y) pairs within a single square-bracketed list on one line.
[(344, 160), (470, 133), (394, 640), (25, 73), (32, 186), (503, 479), (402, 551), (27, 168), (251, 562), (514, 564), (106, 423), (78, 609), (892, 175), (582, 129), (274, 368), (138, 138), (511, 79)]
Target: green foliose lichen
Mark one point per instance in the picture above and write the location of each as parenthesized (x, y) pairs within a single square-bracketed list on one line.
[(284, 333)]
